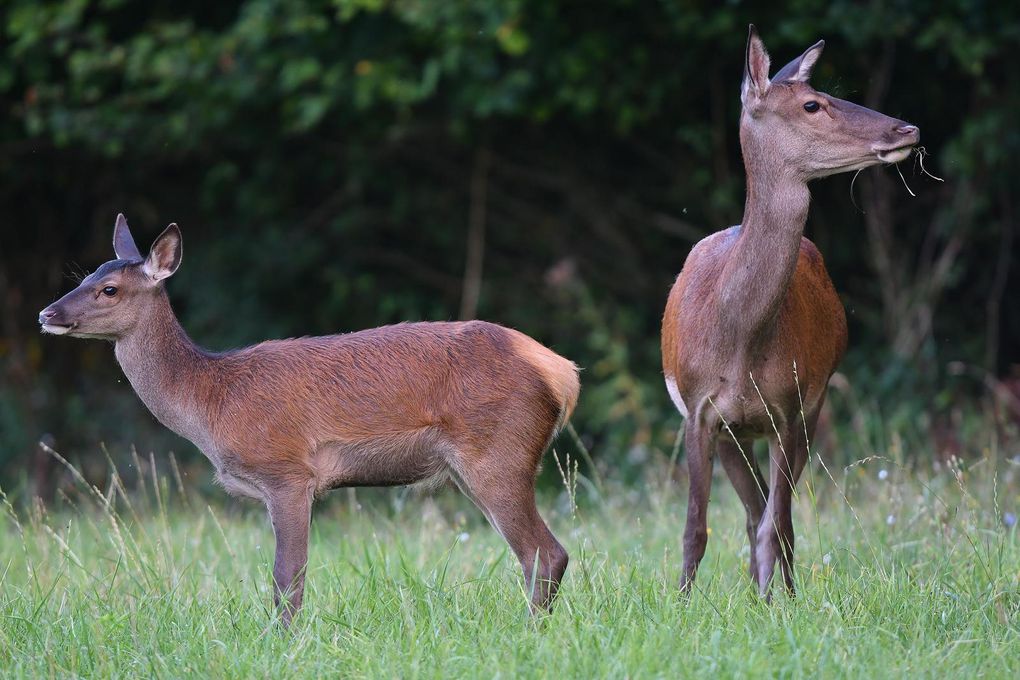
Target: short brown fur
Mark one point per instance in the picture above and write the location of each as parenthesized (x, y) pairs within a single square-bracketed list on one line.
[(753, 327), (287, 420)]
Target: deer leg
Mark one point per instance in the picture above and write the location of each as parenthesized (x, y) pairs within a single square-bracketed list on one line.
[(775, 533), (699, 465), (290, 512), (768, 546), (507, 499), (742, 469)]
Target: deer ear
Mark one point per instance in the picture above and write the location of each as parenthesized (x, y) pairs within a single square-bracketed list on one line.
[(756, 69), (123, 243), (800, 68), (165, 255)]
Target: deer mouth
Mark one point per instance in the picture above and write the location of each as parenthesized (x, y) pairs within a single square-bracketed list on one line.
[(895, 155), (58, 329)]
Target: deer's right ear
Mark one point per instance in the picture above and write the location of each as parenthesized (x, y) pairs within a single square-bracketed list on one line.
[(123, 243), (756, 70), (800, 68), (165, 255)]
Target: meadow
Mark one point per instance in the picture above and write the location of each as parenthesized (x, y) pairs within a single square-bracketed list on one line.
[(902, 569)]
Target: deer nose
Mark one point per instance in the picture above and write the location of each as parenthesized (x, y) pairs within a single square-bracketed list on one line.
[(908, 130)]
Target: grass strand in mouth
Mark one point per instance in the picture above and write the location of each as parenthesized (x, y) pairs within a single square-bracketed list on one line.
[(903, 179), (921, 153), (852, 200)]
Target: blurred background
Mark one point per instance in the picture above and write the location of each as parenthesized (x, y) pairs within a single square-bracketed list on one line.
[(545, 164)]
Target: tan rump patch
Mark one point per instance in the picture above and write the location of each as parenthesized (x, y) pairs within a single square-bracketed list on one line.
[(560, 374)]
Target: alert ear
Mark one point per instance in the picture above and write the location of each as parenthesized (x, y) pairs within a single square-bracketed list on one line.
[(800, 68), (123, 243), (165, 255), (756, 70)]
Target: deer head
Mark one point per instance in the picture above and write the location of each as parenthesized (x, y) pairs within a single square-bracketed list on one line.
[(788, 126), (112, 300)]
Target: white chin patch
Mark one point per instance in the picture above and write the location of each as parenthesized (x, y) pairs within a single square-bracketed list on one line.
[(55, 330), (896, 155)]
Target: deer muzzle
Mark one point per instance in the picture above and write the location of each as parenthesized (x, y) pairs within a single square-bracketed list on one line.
[(52, 323), (903, 139)]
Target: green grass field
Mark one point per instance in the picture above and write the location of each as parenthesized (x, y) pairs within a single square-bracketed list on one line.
[(897, 576)]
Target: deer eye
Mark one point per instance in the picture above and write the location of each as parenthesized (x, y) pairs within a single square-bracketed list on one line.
[(110, 291), (811, 106)]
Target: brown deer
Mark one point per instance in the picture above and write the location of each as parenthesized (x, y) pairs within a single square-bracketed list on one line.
[(753, 328), (287, 420)]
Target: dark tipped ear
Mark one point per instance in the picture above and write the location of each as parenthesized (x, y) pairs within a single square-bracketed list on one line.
[(165, 255), (800, 68), (756, 69), (123, 243)]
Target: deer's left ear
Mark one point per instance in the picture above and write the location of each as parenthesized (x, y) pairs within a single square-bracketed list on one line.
[(165, 255), (123, 243), (800, 68), (756, 70)]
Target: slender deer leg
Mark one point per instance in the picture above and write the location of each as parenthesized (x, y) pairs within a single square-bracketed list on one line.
[(507, 499), (778, 507), (290, 511), (800, 458), (775, 534), (699, 465), (751, 487)]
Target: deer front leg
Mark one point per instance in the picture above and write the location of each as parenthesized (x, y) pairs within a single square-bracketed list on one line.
[(742, 469), (290, 512), (775, 539)]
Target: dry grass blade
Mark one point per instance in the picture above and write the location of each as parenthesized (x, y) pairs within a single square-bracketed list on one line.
[(596, 477), (852, 199), (569, 481), (779, 438), (104, 503), (921, 153), (904, 180)]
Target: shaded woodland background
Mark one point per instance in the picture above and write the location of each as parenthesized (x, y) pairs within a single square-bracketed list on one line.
[(340, 164)]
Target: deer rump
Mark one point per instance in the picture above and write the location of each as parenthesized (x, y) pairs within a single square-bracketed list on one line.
[(395, 405)]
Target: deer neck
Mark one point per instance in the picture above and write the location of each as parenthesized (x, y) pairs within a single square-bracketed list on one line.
[(757, 275), (168, 371)]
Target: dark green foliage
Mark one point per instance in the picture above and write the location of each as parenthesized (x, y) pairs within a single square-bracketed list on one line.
[(320, 158)]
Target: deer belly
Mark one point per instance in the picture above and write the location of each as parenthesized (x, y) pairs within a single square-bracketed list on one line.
[(395, 460), (236, 485)]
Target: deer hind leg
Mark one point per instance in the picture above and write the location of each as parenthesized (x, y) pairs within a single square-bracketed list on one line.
[(775, 538), (290, 509), (741, 467), (699, 464), (505, 494)]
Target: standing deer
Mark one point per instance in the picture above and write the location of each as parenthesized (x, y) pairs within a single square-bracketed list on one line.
[(753, 328), (287, 420)]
